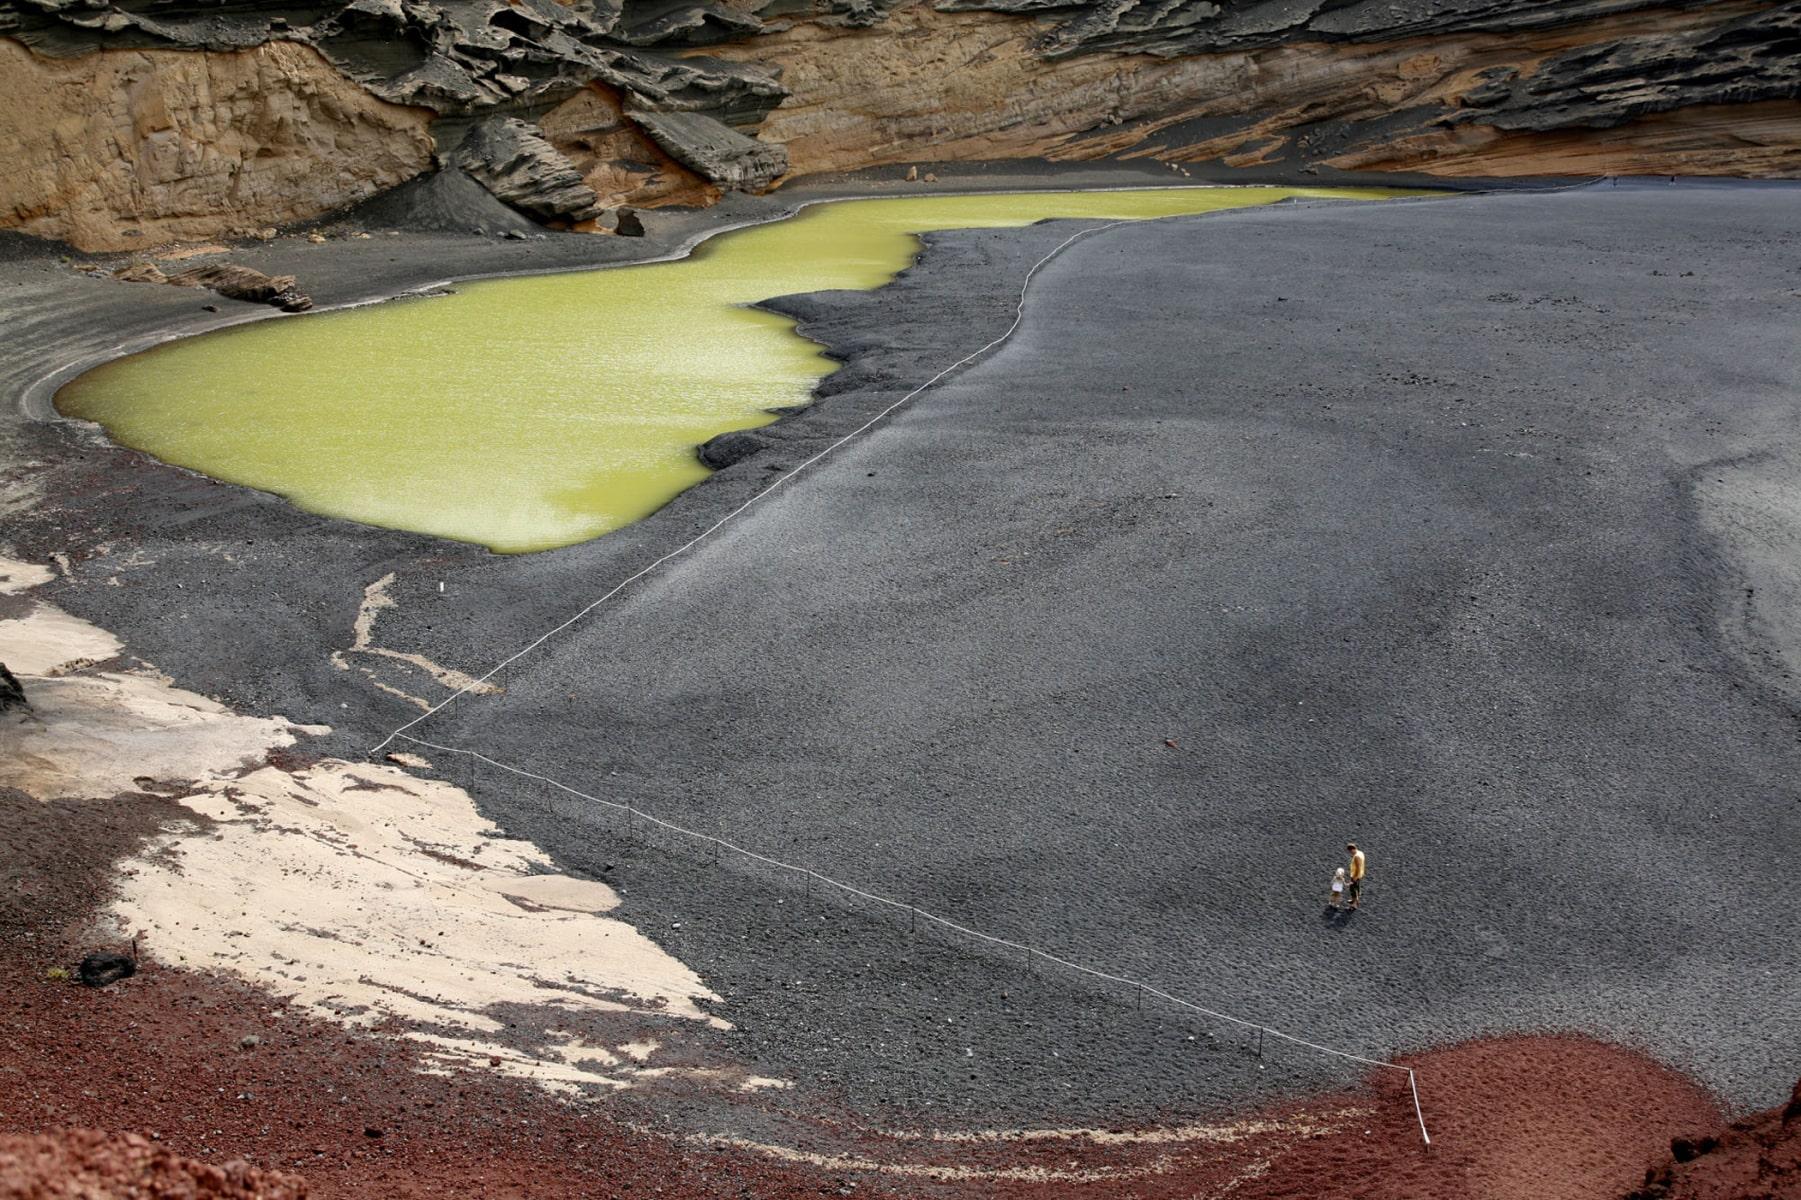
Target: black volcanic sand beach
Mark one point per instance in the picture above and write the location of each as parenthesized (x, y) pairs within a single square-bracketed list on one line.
[(1463, 528)]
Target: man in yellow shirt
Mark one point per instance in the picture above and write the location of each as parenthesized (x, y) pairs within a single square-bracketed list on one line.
[(1358, 865)]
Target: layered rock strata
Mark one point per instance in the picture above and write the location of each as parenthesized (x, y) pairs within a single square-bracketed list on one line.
[(260, 113), (1618, 94)]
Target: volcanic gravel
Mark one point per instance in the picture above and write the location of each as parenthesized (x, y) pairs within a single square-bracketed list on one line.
[(1269, 530), (1436, 525)]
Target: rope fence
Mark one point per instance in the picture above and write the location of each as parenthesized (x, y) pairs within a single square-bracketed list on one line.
[(915, 914), (1142, 989)]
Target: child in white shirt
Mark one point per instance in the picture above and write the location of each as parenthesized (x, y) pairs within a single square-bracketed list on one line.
[(1338, 882)]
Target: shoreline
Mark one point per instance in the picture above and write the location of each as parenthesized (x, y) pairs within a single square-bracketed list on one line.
[(36, 399)]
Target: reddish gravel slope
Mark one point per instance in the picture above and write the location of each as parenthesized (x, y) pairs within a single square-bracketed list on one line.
[(1758, 1158), (87, 1164), (217, 1072)]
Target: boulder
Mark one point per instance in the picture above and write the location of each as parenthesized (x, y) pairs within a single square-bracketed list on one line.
[(524, 171), (236, 282), (713, 150), (103, 967), (734, 446), (12, 692)]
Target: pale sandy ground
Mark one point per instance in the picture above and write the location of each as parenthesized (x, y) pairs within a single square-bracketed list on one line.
[(358, 890)]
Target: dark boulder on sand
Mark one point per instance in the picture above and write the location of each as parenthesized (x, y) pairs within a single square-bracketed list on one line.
[(12, 692), (236, 282), (104, 967), (731, 447)]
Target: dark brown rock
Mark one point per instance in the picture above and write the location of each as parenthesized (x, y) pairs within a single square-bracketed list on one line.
[(236, 282), (12, 692)]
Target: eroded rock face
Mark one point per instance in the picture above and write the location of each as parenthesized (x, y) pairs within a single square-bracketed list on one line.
[(1477, 95), (123, 149), (563, 111), (615, 157)]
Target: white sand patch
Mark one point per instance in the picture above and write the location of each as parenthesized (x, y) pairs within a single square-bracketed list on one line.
[(375, 600), (363, 893), (94, 733), (47, 640), (16, 576), (1177, 1143), (556, 891), (367, 894)]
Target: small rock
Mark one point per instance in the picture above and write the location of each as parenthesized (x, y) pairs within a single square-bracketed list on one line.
[(267, 235), (629, 224), (209, 308), (249, 1041), (912, 174), (101, 968), (316, 238), (931, 178), (140, 273), (12, 692)]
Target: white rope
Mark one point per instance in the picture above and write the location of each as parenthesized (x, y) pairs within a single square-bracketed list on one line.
[(1140, 985), (1019, 316), (1144, 988)]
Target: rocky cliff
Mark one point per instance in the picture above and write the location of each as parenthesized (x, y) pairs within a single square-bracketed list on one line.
[(133, 121)]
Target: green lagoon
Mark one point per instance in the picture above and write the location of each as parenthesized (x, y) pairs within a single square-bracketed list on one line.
[(535, 412)]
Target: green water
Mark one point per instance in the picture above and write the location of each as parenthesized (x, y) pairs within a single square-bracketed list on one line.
[(535, 412)]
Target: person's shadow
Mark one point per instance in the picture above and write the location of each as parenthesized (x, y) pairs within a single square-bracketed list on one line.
[(1337, 918)]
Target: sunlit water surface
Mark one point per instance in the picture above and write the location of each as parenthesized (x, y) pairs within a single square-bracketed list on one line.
[(534, 412)]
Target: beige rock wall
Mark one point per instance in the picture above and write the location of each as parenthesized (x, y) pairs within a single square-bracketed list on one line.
[(934, 86), (122, 149)]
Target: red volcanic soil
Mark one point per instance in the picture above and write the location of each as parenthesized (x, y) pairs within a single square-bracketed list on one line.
[(85, 1163), (1523, 1118), (217, 1072), (1758, 1158)]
